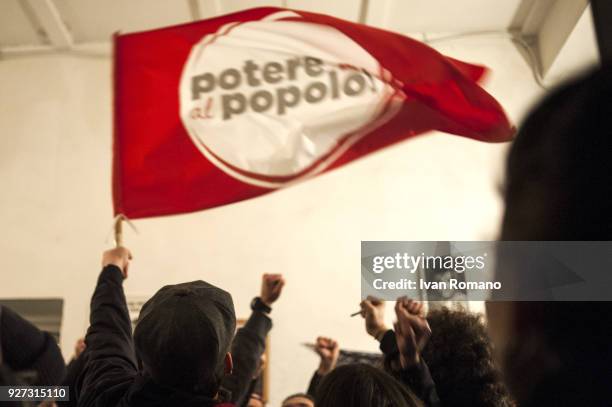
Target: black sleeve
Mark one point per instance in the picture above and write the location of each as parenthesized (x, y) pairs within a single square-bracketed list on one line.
[(110, 349), (73, 370), (417, 378), (388, 345), (247, 394), (25, 347), (247, 347), (315, 380)]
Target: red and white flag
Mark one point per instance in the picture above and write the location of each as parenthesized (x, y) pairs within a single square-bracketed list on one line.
[(226, 109)]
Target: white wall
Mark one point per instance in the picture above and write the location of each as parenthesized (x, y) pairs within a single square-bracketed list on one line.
[(55, 123)]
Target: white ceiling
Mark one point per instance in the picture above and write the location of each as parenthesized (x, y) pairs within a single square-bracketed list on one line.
[(15, 27), (96, 20), (43, 25), (444, 15)]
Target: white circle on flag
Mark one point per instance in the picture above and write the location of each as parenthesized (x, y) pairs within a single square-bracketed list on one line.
[(273, 101)]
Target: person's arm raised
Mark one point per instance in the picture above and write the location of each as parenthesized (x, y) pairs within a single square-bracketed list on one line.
[(373, 311), (271, 288), (110, 346), (412, 333), (250, 340), (329, 352)]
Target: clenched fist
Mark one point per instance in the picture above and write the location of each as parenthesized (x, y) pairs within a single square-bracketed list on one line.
[(411, 331), (329, 351), (373, 310), (120, 257), (271, 288)]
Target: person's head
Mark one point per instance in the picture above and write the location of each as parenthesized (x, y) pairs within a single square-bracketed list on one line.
[(557, 183), (255, 403), (255, 400), (362, 385), (459, 356), (298, 400), (183, 336), (558, 187)]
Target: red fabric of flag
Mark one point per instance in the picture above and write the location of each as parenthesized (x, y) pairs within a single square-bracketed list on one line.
[(226, 109)]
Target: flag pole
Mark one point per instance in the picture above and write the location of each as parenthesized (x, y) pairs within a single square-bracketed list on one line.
[(119, 230)]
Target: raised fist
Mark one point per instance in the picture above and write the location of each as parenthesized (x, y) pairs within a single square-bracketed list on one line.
[(329, 351), (271, 288), (411, 332), (373, 310), (120, 257)]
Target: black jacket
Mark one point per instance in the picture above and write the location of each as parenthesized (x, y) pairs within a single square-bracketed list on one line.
[(23, 347), (416, 377), (110, 376), (247, 347), (73, 369)]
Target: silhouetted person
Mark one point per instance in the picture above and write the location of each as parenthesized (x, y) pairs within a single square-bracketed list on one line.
[(559, 187), (27, 354), (182, 341)]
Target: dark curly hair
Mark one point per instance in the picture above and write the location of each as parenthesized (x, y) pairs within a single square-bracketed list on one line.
[(459, 356)]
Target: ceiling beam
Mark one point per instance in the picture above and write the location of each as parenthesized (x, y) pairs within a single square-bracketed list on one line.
[(364, 5), (556, 28), (48, 17), (536, 13), (578, 53), (194, 9)]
